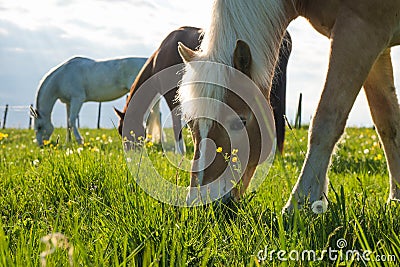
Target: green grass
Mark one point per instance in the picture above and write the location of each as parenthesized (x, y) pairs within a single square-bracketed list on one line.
[(91, 198)]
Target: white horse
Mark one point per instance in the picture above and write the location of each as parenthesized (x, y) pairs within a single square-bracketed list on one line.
[(80, 80)]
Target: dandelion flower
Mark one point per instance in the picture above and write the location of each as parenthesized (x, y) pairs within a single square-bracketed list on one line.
[(149, 136), (378, 157), (3, 136), (46, 142), (318, 207), (219, 149), (149, 144), (234, 159)]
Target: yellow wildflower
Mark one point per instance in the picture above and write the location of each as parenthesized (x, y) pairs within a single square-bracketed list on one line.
[(46, 142), (3, 136), (234, 159), (219, 149), (235, 151), (149, 144)]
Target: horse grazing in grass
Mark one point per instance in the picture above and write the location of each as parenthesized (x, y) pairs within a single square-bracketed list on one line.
[(167, 55), (361, 34), (80, 80)]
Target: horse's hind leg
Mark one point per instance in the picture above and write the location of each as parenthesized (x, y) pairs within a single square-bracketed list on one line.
[(176, 121), (153, 127), (75, 107), (385, 111)]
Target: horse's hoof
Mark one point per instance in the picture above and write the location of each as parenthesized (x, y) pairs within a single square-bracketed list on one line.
[(395, 201)]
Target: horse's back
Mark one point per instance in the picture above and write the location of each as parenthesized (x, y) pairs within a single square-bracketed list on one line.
[(92, 80), (167, 53)]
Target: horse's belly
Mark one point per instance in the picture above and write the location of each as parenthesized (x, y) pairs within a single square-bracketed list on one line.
[(105, 94), (396, 36)]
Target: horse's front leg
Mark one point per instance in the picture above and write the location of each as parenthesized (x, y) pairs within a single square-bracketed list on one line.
[(68, 138), (353, 53), (75, 107)]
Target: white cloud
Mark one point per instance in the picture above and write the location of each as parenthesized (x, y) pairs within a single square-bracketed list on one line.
[(37, 35)]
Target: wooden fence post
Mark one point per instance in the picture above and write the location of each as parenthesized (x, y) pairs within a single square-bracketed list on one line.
[(30, 117), (98, 116), (5, 116), (297, 122)]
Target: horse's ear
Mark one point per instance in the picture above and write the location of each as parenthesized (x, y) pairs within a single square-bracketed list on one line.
[(186, 53), (34, 112), (242, 57), (119, 113)]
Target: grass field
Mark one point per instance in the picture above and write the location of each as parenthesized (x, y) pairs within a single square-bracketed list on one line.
[(86, 197)]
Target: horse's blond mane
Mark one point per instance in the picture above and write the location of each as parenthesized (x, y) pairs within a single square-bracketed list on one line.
[(258, 23)]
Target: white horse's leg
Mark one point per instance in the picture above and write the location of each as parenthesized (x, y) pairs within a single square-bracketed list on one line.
[(76, 104), (385, 111), (153, 127), (352, 56), (68, 123)]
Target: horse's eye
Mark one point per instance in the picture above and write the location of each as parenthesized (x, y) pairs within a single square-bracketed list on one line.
[(238, 124)]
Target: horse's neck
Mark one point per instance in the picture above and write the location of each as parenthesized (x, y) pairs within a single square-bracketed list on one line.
[(45, 102), (235, 19)]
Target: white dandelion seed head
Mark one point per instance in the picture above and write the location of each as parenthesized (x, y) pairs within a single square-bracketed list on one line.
[(319, 207), (69, 152)]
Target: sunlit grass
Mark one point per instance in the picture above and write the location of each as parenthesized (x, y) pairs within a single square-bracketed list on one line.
[(87, 194)]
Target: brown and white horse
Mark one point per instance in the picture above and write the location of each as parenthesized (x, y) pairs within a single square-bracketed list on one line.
[(167, 55), (361, 34)]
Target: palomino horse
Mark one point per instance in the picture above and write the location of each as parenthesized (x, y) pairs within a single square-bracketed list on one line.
[(80, 80), (167, 55), (361, 34)]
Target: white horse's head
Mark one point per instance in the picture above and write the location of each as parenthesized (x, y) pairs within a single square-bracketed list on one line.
[(43, 126)]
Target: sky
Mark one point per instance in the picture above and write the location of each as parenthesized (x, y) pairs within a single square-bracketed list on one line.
[(35, 36)]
